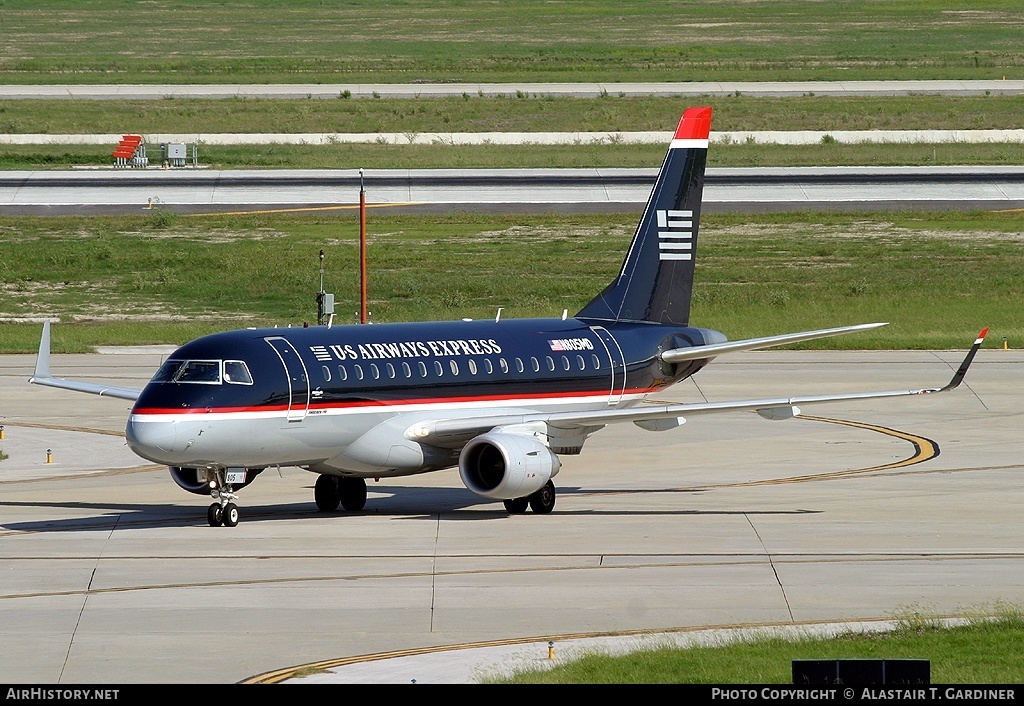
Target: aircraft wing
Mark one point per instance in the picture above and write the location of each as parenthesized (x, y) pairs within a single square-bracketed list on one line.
[(452, 432), (678, 355), (42, 376)]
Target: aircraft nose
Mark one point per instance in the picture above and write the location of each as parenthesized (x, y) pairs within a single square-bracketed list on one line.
[(152, 439)]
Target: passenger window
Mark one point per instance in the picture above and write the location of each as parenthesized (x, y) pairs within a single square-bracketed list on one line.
[(455, 367), (342, 372), (535, 363), (488, 366), (472, 367), (407, 370), (391, 371), (359, 371), (236, 372), (597, 362), (503, 364), (327, 375), (519, 365), (374, 371), (438, 368), (581, 363), (423, 369), (551, 364)]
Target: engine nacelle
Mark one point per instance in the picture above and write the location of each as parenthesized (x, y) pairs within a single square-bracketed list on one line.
[(197, 480), (502, 466)]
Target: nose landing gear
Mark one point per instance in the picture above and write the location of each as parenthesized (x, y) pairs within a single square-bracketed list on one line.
[(224, 511), (226, 515)]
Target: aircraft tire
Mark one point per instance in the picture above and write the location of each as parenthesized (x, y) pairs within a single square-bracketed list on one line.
[(353, 493), (214, 515), (543, 501), (517, 506), (230, 515), (327, 493)]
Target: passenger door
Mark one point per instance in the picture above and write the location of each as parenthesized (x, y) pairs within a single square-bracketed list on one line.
[(617, 362), (298, 378)]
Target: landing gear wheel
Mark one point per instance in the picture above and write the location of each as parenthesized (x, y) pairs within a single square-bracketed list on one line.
[(543, 501), (327, 493), (223, 511), (353, 493), (517, 506)]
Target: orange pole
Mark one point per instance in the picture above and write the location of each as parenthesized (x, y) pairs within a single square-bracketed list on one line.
[(362, 250)]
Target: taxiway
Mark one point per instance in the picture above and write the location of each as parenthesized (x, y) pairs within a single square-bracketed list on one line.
[(865, 511)]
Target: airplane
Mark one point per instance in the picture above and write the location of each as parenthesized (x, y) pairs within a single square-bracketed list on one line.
[(501, 400)]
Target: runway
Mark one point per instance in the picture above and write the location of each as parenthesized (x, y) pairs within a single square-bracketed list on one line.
[(865, 511), (521, 190), (306, 91), (537, 190)]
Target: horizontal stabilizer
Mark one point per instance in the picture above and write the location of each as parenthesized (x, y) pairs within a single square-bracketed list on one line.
[(678, 355)]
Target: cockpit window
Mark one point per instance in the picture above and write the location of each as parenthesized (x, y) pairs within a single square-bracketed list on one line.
[(205, 372), (236, 372), (167, 371)]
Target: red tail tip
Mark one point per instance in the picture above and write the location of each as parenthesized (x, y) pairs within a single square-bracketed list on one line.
[(984, 332), (694, 125)]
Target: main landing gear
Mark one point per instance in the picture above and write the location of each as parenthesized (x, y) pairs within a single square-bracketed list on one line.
[(347, 491), (541, 502)]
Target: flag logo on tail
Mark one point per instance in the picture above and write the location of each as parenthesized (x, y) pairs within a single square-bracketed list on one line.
[(675, 235)]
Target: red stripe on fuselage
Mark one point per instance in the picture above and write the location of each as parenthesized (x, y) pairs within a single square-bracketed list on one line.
[(353, 404)]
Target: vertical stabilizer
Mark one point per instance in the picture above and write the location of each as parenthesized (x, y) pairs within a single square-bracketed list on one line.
[(656, 281)]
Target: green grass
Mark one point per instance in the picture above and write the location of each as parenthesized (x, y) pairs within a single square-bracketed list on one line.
[(589, 156), (938, 277), (982, 651), (166, 279), (411, 117), (257, 41)]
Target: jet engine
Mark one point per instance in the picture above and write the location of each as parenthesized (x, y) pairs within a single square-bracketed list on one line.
[(197, 480), (502, 466)]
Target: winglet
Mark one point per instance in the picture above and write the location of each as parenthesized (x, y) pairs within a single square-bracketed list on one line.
[(961, 372), (42, 370), (42, 375)]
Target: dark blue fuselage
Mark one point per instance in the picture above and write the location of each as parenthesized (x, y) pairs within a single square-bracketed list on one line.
[(307, 369)]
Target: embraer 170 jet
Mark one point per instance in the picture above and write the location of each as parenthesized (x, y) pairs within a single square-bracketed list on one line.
[(501, 399)]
